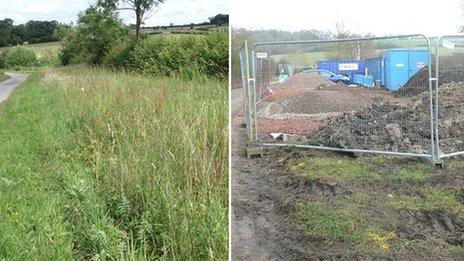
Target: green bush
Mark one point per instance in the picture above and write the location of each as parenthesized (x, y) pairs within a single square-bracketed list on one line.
[(120, 55), (2, 58), (50, 59), (19, 56), (188, 56)]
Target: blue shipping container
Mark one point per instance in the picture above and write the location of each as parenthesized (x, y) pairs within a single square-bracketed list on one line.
[(374, 68), (398, 65), (348, 68)]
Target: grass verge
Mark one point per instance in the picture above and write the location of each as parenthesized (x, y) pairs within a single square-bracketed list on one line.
[(102, 165)]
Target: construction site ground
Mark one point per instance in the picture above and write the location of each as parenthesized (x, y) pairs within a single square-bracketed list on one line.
[(308, 205)]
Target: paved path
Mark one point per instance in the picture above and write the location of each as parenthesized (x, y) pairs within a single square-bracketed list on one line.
[(7, 86)]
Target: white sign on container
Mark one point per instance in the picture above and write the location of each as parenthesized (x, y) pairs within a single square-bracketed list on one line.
[(347, 66), (261, 55), (448, 44), (399, 64)]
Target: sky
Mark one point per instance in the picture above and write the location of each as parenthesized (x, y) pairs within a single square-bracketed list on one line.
[(172, 11), (388, 17)]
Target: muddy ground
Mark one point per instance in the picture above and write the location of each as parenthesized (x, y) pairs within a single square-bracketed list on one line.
[(303, 205)]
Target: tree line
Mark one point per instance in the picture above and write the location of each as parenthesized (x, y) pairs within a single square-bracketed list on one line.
[(31, 32)]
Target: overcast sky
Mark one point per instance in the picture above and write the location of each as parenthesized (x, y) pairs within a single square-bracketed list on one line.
[(172, 11), (432, 17)]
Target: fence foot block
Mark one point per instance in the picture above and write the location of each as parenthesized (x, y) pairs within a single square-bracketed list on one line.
[(437, 163), (254, 150)]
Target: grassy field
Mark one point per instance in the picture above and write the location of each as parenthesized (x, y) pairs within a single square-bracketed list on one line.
[(43, 49), (101, 165), (310, 59), (196, 29)]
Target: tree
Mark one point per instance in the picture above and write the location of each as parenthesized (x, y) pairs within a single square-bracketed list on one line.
[(62, 31), (97, 31), (350, 50), (143, 10), (219, 19)]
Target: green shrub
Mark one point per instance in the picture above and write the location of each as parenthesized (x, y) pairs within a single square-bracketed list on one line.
[(214, 54), (20, 56), (3, 54), (120, 56), (188, 56), (49, 59)]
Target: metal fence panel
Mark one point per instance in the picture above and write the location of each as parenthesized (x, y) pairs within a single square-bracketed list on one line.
[(350, 106), (449, 95), (249, 93)]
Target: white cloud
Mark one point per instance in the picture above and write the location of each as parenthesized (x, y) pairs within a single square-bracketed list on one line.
[(379, 17), (172, 11)]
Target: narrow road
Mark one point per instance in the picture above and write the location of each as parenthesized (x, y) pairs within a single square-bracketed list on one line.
[(7, 86)]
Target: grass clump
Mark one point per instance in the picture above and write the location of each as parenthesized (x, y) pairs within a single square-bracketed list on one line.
[(103, 165), (333, 169), (429, 199), (417, 172), (323, 222), (345, 224)]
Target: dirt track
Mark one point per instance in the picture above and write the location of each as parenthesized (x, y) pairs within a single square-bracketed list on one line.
[(255, 218)]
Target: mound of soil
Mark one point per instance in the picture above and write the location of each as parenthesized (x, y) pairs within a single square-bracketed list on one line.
[(310, 81), (451, 70), (396, 127), (324, 101), (327, 100), (298, 83)]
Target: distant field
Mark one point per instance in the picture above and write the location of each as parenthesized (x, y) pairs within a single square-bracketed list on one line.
[(43, 49), (195, 29), (310, 59)]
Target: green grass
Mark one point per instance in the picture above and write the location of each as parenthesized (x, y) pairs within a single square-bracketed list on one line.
[(417, 172), (102, 165), (429, 199), (333, 170), (343, 223), (323, 222)]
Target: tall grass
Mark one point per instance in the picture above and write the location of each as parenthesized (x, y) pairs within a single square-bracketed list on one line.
[(107, 165)]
